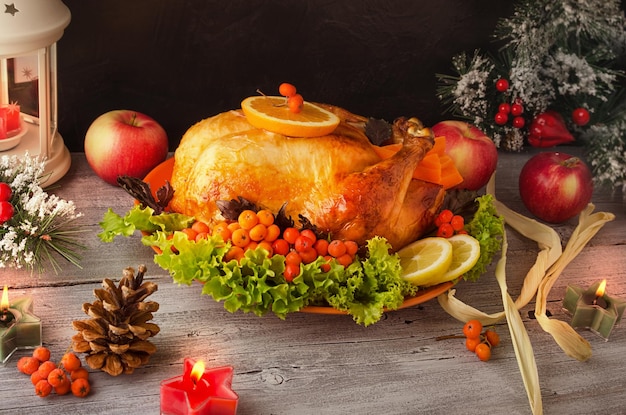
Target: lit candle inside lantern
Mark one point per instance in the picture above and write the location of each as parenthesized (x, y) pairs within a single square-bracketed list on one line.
[(593, 309), (19, 328), (199, 391), (9, 120), (3, 126)]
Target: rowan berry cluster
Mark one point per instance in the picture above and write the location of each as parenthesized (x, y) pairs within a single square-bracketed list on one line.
[(47, 377), (294, 100), (448, 224), (254, 230), (479, 341)]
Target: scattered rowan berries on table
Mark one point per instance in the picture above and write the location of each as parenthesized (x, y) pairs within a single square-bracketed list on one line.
[(37, 376), (492, 337), (47, 377), (483, 351), (70, 362), (471, 343), (79, 373), (57, 376), (81, 387), (478, 341), (472, 329), (43, 388), (41, 353), (28, 365), (45, 368), (63, 388)]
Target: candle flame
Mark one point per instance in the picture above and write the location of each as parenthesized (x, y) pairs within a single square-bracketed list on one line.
[(601, 288), (4, 304), (197, 371)]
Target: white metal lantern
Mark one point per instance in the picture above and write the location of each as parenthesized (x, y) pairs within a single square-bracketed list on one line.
[(29, 30)]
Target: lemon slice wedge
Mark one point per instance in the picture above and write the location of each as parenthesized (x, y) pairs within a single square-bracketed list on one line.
[(465, 254), (424, 261), (272, 114)]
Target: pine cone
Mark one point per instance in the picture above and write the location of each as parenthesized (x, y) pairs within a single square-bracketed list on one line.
[(115, 337)]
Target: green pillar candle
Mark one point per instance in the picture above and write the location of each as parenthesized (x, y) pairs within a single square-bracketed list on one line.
[(19, 328), (593, 309)]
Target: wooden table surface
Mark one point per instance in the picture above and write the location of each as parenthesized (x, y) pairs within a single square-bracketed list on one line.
[(327, 364)]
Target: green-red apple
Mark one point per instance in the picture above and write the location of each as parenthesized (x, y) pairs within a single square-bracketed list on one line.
[(555, 186), (474, 154), (124, 142)]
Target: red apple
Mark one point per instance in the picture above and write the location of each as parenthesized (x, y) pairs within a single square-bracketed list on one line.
[(124, 142), (555, 186), (474, 154)]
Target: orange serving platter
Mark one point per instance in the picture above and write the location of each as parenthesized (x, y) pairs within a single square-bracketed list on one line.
[(163, 172)]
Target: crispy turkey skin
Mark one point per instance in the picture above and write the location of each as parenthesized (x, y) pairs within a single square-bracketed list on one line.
[(336, 181)]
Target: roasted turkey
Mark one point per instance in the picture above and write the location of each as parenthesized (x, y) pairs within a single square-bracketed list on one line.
[(338, 182)]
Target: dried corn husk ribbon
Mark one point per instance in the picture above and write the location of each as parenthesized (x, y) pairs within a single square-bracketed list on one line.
[(551, 260)]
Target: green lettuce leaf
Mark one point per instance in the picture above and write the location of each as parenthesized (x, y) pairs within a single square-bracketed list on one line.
[(488, 228), (140, 219), (365, 289), (256, 284)]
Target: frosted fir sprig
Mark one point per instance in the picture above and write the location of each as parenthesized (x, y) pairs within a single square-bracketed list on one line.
[(608, 155), (560, 56), (41, 228)]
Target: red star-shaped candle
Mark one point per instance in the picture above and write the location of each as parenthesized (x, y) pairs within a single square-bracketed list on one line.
[(199, 391)]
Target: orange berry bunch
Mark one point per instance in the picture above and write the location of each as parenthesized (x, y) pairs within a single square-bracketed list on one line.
[(303, 247), (294, 100), (254, 230), (478, 341), (47, 377), (448, 224)]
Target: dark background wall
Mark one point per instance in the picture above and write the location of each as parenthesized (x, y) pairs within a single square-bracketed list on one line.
[(180, 61)]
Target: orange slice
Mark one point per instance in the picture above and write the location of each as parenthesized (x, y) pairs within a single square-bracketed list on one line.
[(272, 114)]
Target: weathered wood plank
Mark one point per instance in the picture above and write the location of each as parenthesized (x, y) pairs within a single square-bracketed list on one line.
[(320, 364)]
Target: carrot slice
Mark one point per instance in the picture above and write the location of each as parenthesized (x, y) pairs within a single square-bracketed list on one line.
[(385, 152), (450, 176), (436, 166), (429, 169), (440, 145)]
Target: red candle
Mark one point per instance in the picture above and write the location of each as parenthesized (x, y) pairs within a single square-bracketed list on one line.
[(3, 126), (199, 391), (9, 120)]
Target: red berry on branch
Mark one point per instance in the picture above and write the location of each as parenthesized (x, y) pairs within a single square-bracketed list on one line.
[(502, 85), (517, 109), (505, 107), (580, 116), (501, 118), (5, 192), (6, 211), (518, 122)]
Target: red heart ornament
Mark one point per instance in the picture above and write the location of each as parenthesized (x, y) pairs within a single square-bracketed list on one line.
[(548, 129)]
